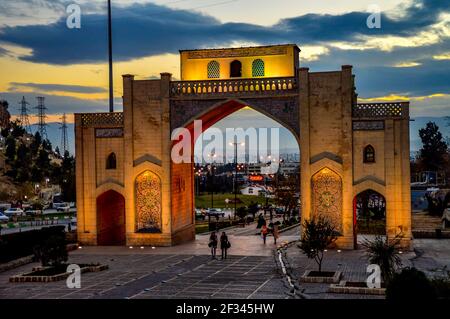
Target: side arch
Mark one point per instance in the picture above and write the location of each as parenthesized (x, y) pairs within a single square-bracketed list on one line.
[(110, 218)]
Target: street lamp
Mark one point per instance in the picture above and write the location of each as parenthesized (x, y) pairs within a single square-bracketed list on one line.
[(211, 169), (235, 173)]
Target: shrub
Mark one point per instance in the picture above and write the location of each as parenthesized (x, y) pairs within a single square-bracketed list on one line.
[(317, 236), (409, 284), (52, 251), (18, 245), (384, 253)]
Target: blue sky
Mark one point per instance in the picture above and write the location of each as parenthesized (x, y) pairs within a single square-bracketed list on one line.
[(408, 58)]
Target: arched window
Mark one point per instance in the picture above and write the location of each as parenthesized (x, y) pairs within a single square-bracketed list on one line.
[(111, 162), (213, 70), (369, 154), (235, 69), (258, 67)]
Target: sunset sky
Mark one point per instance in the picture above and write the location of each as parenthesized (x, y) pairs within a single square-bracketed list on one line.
[(408, 58)]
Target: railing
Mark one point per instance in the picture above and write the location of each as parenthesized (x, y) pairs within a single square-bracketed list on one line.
[(380, 110), (102, 119), (245, 86)]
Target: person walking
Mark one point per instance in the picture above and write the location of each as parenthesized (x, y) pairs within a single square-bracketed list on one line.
[(264, 232), (224, 245), (275, 233), (213, 244)]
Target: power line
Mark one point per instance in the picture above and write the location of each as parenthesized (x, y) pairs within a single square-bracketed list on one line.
[(64, 139), (41, 117), (24, 117)]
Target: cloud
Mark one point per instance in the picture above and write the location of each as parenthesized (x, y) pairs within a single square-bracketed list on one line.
[(57, 87), (57, 104), (148, 29)]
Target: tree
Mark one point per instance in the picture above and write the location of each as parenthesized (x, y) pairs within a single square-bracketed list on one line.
[(286, 193), (318, 234), (10, 149), (241, 212), (253, 209), (67, 181), (434, 150), (52, 251)]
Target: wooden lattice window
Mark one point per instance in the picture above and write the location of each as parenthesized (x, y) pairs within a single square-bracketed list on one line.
[(258, 68), (369, 154), (111, 162), (213, 70)]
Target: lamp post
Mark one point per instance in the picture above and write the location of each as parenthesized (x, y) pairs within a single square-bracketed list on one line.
[(211, 174), (111, 94), (235, 173)]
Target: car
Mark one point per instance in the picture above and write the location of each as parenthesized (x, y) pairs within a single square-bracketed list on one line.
[(73, 224), (14, 211), (199, 214), (33, 212), (63, 208), (3, 218), (215, 212)]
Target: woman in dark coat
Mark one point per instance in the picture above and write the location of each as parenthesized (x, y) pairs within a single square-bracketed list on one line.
[(213, 244), (224, 245)]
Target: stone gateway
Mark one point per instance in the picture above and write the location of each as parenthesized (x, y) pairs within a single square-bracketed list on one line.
[(129, 191)]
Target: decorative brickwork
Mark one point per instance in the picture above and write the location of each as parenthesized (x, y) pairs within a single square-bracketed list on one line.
[(327, 197), (380, 110), (102, 119), (281, 109), (237, 52)]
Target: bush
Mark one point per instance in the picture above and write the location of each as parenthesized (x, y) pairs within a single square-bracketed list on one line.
[(17, 245), (52, 251), (317, 236), (409, 284)]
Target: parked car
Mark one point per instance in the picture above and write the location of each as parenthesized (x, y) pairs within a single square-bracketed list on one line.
[(199, 214), (3, 218), (63, 208), (14, 212), (4, 206), (215, 212), (73, 224), (33, 212)]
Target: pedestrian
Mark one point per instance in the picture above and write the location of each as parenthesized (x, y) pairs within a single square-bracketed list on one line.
[(261, 221), (224, 245), (213, 244), (264, 232), (275, 232)]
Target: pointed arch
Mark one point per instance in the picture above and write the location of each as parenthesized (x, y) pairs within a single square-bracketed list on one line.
[(369, 154), (111, 161)]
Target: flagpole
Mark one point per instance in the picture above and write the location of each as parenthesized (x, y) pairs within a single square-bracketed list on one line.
[(111, 94)]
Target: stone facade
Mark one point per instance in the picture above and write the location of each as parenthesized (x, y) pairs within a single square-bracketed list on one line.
[(319, 108)]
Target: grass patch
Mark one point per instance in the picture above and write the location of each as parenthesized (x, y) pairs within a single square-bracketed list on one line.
[(204, 200)]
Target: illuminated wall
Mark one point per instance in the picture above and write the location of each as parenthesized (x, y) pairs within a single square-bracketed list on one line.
[(279, 61)]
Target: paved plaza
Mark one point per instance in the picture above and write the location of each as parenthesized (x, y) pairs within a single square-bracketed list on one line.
[(187, 271)]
